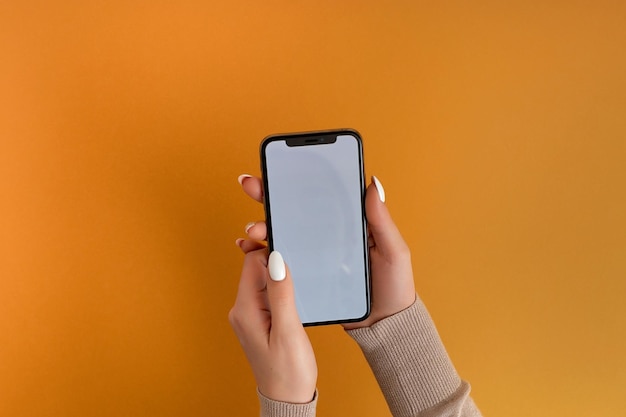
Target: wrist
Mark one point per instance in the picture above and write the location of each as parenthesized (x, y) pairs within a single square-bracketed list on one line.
[(384, 313)]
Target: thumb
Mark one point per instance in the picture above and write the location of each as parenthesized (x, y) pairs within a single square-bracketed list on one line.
[(383, 230), (280, 295)]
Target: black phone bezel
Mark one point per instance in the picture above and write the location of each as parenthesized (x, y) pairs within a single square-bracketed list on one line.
[(313, 138)]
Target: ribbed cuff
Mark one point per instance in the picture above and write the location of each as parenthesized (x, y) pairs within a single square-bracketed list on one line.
[(409, 360), (272, 408)]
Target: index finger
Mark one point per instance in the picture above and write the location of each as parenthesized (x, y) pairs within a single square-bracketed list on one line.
[(253, 186)]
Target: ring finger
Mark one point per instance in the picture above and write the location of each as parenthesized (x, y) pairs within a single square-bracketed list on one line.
[(256, 230)]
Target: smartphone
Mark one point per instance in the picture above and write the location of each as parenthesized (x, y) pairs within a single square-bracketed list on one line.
[(314, 188)]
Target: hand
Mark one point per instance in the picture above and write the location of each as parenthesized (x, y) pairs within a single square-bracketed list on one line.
[(393, 289), (266, 322)]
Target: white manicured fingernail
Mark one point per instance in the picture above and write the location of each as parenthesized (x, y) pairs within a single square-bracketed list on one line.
[(379, 188), (248, 226), (243, 177), (238, 242), (276, 266)]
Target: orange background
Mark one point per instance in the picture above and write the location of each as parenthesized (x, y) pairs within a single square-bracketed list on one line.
[(497, 128)]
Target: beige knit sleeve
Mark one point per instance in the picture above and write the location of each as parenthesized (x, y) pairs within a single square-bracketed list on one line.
[(412, 366), (272, 408)]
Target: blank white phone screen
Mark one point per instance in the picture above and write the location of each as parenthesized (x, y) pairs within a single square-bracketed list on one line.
[(316, 213)]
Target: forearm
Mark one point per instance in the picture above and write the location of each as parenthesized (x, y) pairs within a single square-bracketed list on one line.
[(412, 366)]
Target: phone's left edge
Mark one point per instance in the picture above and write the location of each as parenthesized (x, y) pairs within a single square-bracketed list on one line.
[(265, 183)]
